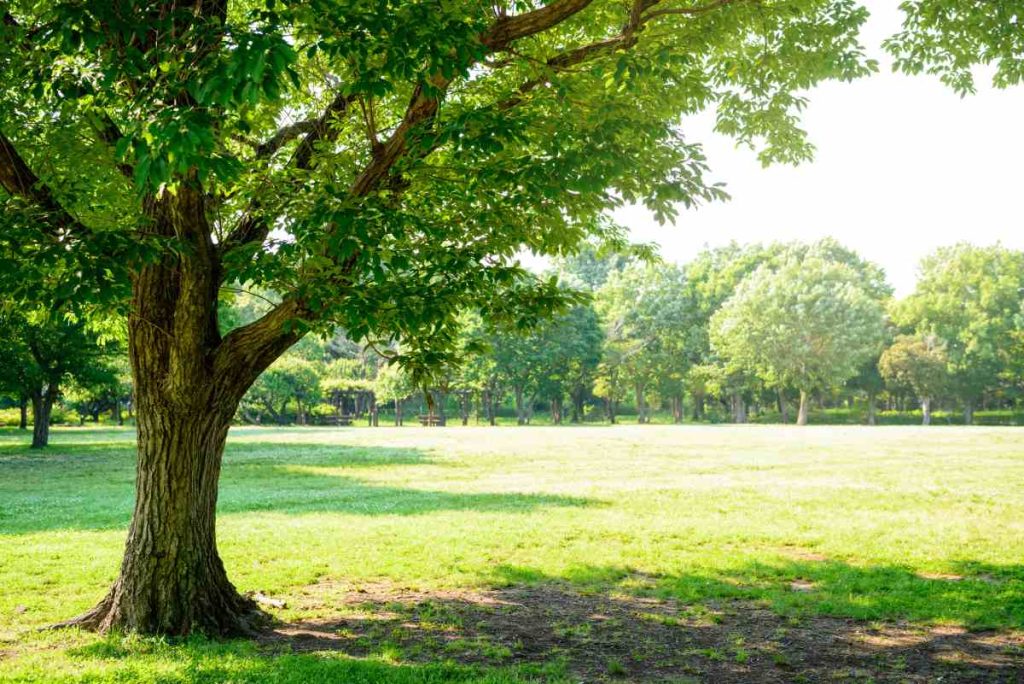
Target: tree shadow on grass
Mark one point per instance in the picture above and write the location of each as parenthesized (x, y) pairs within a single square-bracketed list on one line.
[(91, 486), (200, 660), (608, 623)]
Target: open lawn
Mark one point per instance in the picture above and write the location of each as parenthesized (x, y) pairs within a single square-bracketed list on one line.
[(630, 553)]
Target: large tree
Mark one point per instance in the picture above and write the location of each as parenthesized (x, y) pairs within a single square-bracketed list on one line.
[(656, 329), (970, 298), (808, 324), (378, 165)]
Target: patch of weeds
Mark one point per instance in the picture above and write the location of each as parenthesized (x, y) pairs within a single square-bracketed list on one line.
[(580, 631), (389, 653), (661, 619), (703, 615), (479, 647), (709, 653), (616, 668)]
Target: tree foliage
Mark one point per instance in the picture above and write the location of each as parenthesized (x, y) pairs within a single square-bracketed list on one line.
[(808, 324)]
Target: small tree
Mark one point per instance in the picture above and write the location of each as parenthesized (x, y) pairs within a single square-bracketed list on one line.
[(918, 363), (393, 384), (42, 351), (808, 325), (290, 379)]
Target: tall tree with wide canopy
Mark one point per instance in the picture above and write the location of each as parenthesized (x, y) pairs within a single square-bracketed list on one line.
[(808, 324), (970, 298), (377, 164)]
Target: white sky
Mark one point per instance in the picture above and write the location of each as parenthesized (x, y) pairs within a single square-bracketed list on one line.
[(903, 165)]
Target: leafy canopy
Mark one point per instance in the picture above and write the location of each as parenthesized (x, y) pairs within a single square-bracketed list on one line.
[(808, 324), (380, 164)]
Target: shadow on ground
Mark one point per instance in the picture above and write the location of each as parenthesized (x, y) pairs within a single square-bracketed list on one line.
[(636, 635), (90, 486)]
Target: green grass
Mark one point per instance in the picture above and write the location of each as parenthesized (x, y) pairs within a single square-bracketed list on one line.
[(884, 524)]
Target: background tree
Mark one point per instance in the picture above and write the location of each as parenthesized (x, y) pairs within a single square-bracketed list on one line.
[(809, 324), (291, 379), (917, 363), (969, 297), (393, 384), (42, 352)]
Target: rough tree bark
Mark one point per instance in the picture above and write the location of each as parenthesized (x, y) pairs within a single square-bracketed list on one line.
[(188, 383)]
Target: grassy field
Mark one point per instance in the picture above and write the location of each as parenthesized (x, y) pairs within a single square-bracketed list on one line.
[(630, 553)]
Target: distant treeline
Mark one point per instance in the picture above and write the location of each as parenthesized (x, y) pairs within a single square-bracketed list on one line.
[(743, 333)]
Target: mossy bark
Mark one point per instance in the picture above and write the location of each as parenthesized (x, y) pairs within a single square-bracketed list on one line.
[(188, 383)]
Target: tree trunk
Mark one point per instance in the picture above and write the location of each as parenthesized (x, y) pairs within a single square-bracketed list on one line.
[(118, 417), (739, 408), (784, 407), (698, 407), (42, 407), (872, 410), (969, 412), (926, 411), (464, 407), (556, 419), (23, 405), (441, 399), (398, 412), (801, 418), (577, 407), (641, 403), (520, 410), (188, 382)]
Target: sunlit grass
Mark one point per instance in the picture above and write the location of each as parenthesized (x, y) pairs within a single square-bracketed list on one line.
[(876, 524)]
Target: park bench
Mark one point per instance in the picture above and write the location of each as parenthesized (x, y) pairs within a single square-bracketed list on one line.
[(430, 420)]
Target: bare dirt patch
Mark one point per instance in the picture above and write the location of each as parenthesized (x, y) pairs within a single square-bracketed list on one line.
[(604, 637)]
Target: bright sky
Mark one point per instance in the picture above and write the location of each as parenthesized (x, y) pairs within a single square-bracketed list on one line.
[(903, 166)]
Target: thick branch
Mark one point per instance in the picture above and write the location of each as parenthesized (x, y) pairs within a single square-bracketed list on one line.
[(253, 226), (110, 133), (246, 352), (283, 137), (19, 180), (688, 11), (509, 29)]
